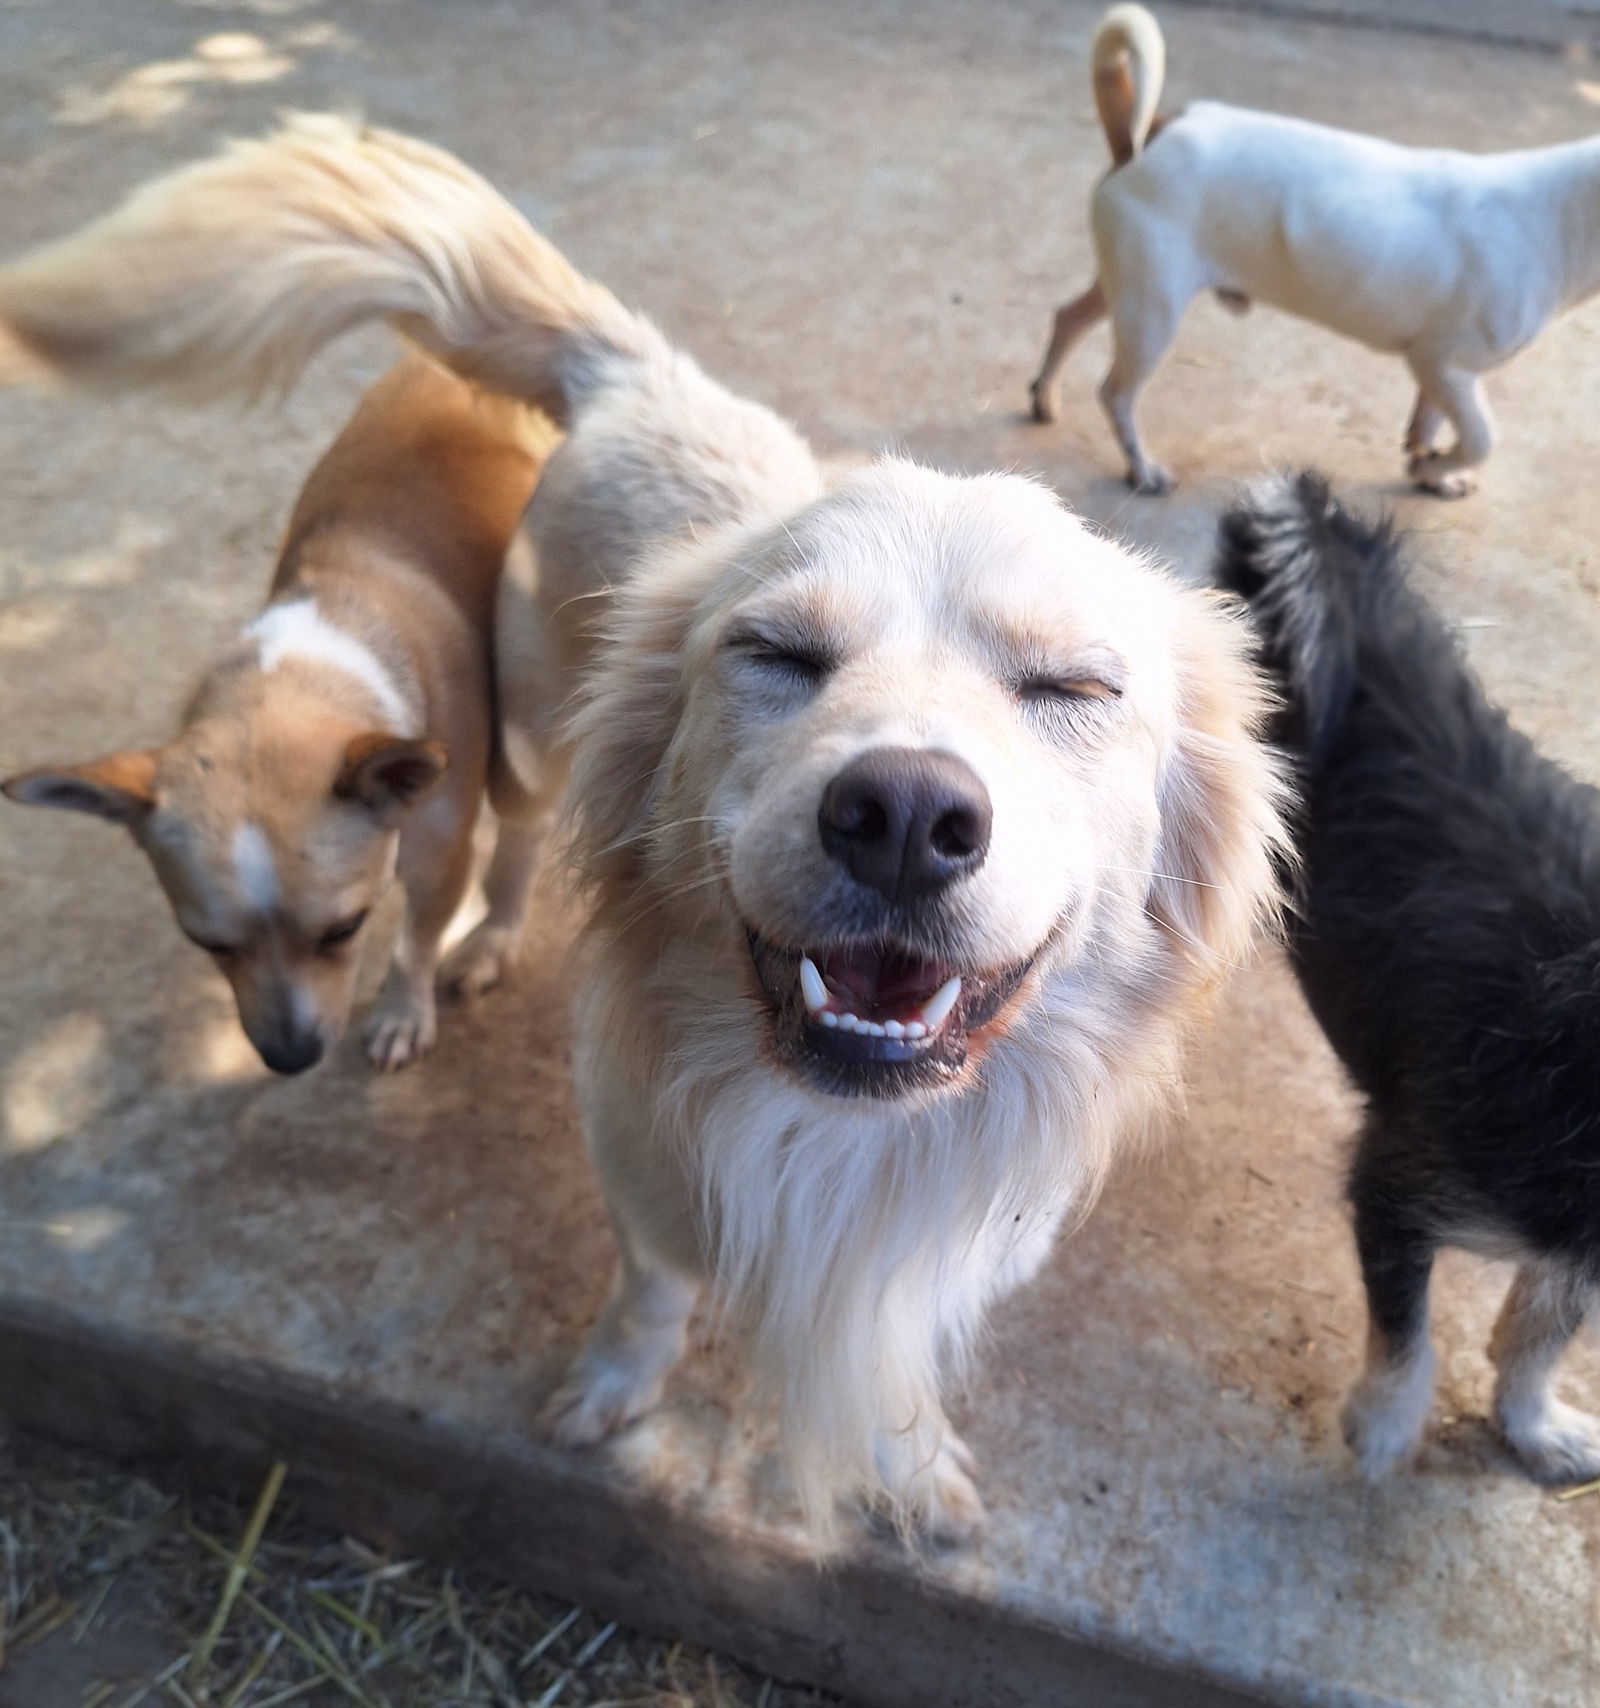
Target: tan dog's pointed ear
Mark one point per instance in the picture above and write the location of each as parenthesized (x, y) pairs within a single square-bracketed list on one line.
[(389, 773), (121, 787), (1223, 792)]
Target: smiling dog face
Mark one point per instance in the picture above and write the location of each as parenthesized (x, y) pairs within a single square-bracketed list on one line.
[(916, 751)]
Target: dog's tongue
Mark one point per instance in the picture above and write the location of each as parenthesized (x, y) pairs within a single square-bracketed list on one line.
[(869, 978)]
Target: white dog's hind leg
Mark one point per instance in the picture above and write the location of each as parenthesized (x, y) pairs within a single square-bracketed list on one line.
[(1427, 418), (640, 1335), (1460, 396), (1542, 1312), (1144, 327), (1073, 319)]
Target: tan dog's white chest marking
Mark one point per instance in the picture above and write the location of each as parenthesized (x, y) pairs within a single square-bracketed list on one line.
[(297, 629), (1452, 261)]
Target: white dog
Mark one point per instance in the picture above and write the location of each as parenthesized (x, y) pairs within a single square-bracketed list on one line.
[(1452, 261), (918, 818)]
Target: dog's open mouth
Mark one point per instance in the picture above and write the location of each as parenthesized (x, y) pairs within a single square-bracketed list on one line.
[(876, 1019)]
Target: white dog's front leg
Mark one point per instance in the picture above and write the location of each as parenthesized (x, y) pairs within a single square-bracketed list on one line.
[(619, 1374), (1460, 396)]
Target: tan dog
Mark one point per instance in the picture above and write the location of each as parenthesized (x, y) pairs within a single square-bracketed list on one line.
[(348, 735), (920, 820)]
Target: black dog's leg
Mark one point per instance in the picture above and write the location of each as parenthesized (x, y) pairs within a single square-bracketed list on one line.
[(1544, 1309), (1385, 1415)]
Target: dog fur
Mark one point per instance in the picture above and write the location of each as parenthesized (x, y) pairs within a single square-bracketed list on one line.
[(1087, 843), (1453, 262), (348, 734), (1447, 937)]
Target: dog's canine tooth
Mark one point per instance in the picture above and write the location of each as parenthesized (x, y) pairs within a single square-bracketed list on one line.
[(811, 986), (937, 1008)]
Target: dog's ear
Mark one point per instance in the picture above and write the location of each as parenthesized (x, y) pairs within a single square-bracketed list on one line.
[(121, 787), (1224, 845), (624, 725), (389, 773)]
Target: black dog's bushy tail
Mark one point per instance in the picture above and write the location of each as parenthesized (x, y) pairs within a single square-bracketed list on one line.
[(1318, 580)]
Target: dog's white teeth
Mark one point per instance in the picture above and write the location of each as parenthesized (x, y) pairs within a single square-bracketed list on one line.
[(893, 1029), (915, 1029), (811, 986), (828, 1017), (849, 1023), (872, 1028), (936, 1010)]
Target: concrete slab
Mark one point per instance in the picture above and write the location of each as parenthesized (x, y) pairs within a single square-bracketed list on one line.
[(863, 214)]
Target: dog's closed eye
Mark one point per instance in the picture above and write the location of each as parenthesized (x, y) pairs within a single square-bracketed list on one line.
[(782, 656), (1060, 689), (336, 936)]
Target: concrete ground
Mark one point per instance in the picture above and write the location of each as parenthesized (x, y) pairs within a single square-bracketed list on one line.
[(862, 214)]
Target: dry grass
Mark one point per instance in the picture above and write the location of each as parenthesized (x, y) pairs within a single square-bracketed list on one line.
[(251, 1606)]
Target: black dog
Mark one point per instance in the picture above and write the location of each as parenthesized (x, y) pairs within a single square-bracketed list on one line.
[(1447, 937)]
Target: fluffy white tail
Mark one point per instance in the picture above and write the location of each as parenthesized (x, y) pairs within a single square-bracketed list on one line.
[(226, 277), (1129, 65)]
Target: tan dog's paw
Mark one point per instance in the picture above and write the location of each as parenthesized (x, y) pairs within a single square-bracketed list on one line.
[(482, 959), (600, 1396), (1044, 403), (401, 1031), (1428, 475)]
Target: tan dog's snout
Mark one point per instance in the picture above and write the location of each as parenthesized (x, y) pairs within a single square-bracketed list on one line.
[(906, 822), (284, 1023)]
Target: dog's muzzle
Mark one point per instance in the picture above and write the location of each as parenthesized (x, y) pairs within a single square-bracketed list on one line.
[(861, 1019)]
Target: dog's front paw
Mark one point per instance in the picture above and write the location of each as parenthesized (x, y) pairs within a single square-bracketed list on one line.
[(1559, 1444), (1385, 1416), (937, 1497), (482, 959), (1150, 480), (602, 1394), (1430, 474), (401, 1031)]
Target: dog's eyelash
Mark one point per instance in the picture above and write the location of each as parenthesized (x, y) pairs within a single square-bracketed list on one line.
[(807, 662), (1047, 689), (220, 951), (342, 932)]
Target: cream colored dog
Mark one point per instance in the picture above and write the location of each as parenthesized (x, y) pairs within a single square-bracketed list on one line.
[(1452, 261), (348, 734), (918, 818)]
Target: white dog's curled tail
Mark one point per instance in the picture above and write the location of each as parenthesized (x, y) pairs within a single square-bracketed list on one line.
[(1130, 65), (225, 278)]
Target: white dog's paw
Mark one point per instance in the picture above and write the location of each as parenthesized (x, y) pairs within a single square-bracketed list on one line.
[(480, 961), (946, 1505), (937, 1499), (602, 1394), (1429, 475), (402, 1030), (1557, 1444), (1150, 480)]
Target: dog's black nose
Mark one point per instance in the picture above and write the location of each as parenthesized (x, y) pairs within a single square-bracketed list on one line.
[(905, 821), (292, 1054)]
